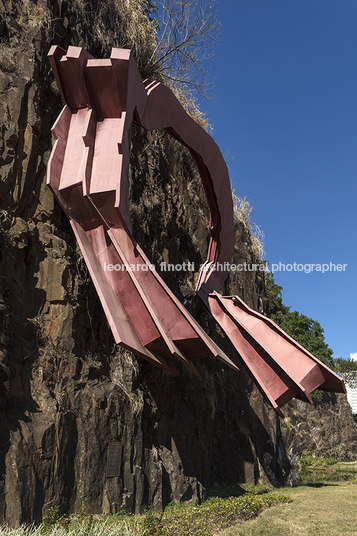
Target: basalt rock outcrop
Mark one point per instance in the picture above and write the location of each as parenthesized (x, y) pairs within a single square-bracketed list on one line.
[(326, 429), (80, 418)]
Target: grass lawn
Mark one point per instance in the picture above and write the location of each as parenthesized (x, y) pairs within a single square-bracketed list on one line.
[(321, 508), (318, 509)]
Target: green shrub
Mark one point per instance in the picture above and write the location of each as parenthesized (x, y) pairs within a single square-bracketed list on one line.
[(312, 461), (213, 515), (184, 519)]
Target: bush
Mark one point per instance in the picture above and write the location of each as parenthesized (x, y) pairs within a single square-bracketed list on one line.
[(213, 515), (178, 519), (312, 461)]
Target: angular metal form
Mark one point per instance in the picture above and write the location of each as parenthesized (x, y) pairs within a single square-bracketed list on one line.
[(88, 173), (281, 368)]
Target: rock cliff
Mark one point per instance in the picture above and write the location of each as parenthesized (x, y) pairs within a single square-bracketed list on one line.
[(79, 416)]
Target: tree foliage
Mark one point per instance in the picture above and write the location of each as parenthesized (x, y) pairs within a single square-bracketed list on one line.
[(304, 330), (309, 334), (348, 370), (276, 306)]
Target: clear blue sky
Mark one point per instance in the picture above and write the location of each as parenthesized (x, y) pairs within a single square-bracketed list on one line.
[(286, 114)]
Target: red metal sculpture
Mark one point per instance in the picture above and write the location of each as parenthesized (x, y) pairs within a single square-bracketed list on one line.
[(88, 173)]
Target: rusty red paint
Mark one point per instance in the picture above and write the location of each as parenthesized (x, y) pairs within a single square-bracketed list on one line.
[(88, 172)]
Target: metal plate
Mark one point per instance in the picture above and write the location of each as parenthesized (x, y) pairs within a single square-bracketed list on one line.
[(114, 455)]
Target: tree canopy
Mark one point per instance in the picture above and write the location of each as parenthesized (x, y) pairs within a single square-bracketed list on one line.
[(348, 370), (276, 306), (304, 330), (309, 334)]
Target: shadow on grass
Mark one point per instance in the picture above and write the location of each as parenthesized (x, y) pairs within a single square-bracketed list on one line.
[(237, 490), (320, 484), (227, 491)]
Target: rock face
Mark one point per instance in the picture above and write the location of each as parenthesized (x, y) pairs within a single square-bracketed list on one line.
[(326, 429), (79, 416)]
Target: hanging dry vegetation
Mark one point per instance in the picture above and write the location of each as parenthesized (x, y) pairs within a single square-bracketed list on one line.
[(242, 213)]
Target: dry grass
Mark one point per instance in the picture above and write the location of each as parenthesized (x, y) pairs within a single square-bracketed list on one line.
[(97, 528), (140, 36), (124, 24), (189, 104), (315, 511), (242, 213), (34, 15), (8, 62)]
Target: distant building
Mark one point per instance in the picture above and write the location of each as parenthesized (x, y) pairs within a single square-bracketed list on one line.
[(352, 392)]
